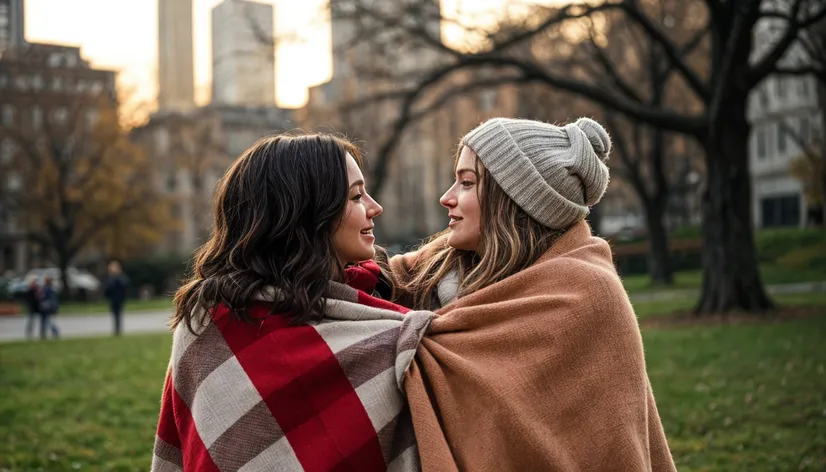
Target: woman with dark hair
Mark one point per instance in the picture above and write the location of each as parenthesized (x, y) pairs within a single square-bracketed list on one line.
[(536, 360), (281, 358)]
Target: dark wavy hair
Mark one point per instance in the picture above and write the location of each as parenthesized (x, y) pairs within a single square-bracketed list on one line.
[(276, 209)]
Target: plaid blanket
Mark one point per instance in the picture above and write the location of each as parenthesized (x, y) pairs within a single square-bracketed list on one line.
[(275, 396)]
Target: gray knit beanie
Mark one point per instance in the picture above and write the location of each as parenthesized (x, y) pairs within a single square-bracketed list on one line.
[(553, 173)]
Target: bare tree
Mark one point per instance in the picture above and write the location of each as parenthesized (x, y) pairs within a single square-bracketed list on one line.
[(619, 56), (720, 79), (77, 178)]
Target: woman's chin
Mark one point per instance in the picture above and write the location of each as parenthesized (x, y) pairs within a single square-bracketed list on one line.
[(368, 253), (451, 239), (457, 242)]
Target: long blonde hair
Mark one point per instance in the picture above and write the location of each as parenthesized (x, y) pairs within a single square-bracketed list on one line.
[(510, 242)]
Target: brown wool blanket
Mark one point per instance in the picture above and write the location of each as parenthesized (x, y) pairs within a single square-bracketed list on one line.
[(541, 371)]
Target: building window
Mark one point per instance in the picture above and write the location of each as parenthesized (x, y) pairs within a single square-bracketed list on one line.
[(781, 137), (805, 136), (14, 182), (22, 82), (37, 118), (4, 81), (97, 86), (37, 83), (7, 115), (803, 87), (7, 150), (781, 87), (61, 115), (760, 136), (197, 181), (91, 119), (782, 210), (54, 59), (162, 140), (488, 99), (763, 93), (71, 60), (57, 84), (81, 86)]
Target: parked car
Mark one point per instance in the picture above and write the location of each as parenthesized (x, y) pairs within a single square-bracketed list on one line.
[(79, 279)]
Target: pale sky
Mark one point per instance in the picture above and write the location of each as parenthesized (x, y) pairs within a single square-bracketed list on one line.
[(123, 35)]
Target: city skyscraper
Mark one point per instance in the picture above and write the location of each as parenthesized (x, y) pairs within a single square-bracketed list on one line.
[(176, 76), (12, 24), (243, 55)]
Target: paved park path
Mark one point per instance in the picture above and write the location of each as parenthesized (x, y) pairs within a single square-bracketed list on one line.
[(12, 328)]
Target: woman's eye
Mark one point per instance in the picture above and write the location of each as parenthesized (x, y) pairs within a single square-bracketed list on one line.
[(467, 183), (356, 197)]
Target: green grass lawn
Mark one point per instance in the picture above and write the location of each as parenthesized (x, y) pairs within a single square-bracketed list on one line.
[(750, 398), (690, 280), (740, 397), (648, 309), (86, 404), (101, 307)]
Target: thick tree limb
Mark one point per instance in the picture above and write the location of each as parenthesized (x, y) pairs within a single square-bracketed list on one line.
[(721, 88), (610, 70), (671, 50), (768, 63)]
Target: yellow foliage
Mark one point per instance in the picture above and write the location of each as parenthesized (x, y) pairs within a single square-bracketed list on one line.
[(808, 168), (86, 185)]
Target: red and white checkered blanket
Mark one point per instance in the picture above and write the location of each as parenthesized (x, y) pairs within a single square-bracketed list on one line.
[(271, 396)]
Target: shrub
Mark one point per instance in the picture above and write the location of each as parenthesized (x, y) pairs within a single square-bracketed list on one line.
[(772, 244), (805, 258), (793, 248), (161, 273)]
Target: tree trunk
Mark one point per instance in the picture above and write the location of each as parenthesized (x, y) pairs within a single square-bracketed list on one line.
[(658, 264), (822, 99), (63, 266), (65, 254), (823, 186), (731, 275)]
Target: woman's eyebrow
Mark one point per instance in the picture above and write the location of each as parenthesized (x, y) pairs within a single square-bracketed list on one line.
[(463, 170)]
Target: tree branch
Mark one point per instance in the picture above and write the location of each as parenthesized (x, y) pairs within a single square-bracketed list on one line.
[(569, 12), (631, 166), (798, 140), (659, 117), (814, 19), (767, 64), (660, 37), (799, 71), (610, 70)]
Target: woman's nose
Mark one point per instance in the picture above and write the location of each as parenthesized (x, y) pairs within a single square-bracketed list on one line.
[(374, 209), (448, 200)]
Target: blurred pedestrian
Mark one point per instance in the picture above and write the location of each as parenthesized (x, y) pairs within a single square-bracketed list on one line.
[(115, 291), (32, 298), (49, 306)]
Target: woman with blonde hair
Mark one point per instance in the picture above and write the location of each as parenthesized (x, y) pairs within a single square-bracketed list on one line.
[(535, 361)]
